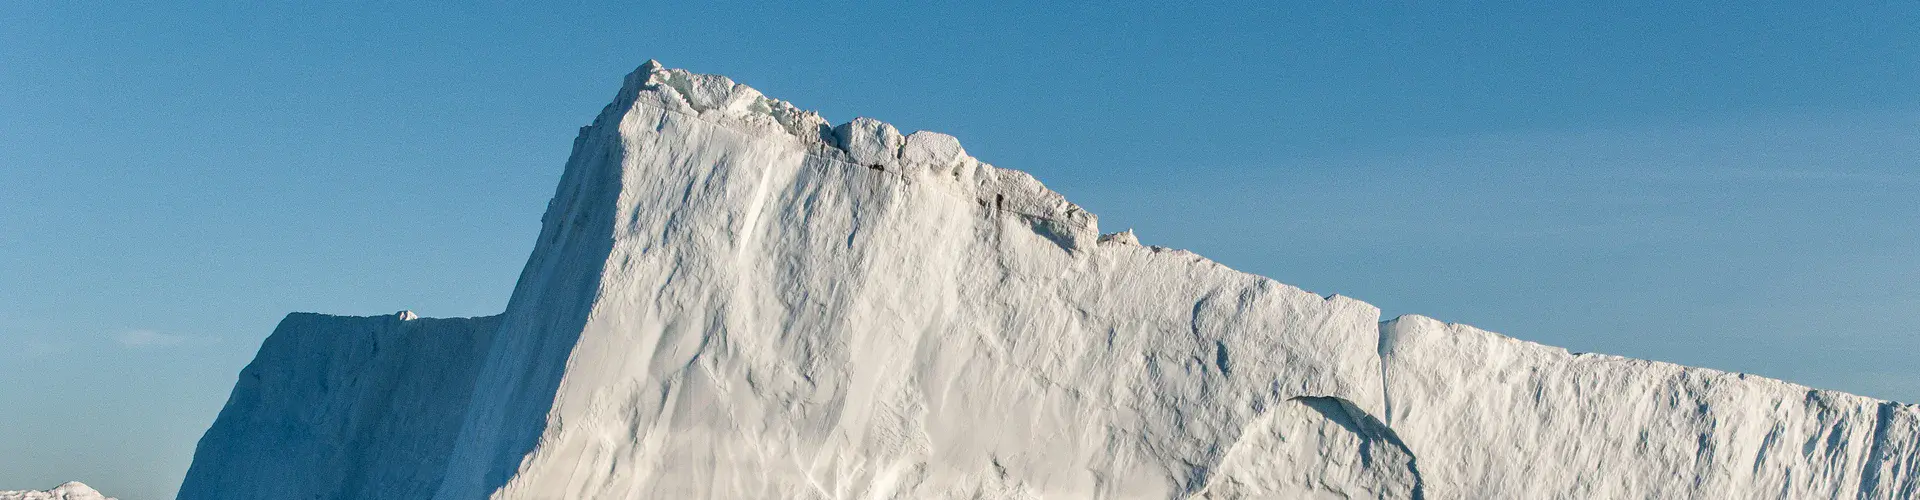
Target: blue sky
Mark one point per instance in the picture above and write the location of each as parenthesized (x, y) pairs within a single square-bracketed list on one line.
[(1716, 184)]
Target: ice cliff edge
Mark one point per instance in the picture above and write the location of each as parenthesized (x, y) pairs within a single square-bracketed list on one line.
[(732, 298)]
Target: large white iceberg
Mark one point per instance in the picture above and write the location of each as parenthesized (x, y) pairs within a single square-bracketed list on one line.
[(732, 298)]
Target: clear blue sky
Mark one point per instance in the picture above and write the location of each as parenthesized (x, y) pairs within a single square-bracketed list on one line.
[(1716, 184)]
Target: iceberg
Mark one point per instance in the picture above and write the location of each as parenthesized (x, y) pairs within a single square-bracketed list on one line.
[(731, 297)]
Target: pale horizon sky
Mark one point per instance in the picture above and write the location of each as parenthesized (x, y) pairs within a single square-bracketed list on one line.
[(1720, 184)]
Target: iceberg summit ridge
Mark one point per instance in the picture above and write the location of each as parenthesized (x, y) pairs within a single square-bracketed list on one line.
[(863, 141), (730, 297)]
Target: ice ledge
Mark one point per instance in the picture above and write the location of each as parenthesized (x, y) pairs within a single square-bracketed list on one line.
[(1394, 334)]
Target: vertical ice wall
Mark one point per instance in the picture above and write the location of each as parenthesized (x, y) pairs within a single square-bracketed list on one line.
[(343, 407), (773, 295)]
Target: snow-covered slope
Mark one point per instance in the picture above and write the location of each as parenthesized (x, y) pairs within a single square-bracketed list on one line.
[(731, 298), (73, 490)]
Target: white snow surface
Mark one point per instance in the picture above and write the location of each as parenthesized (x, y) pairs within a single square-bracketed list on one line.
[(72, 490), (731, 298)]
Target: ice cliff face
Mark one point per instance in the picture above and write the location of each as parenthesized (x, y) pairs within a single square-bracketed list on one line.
[(74, 490), (340, 407), (731, 298)]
